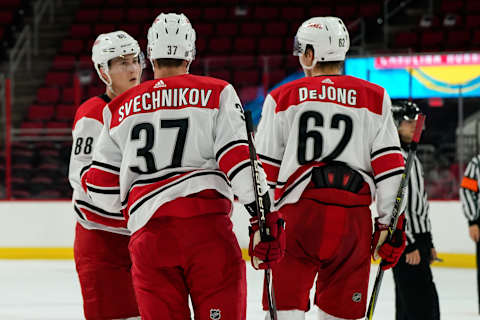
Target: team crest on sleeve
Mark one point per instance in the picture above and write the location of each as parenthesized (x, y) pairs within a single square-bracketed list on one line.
[(215, 314)]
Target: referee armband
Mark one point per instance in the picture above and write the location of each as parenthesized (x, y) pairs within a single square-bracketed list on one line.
[(470, 184)]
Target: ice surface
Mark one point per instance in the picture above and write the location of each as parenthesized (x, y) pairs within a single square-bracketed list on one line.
[(36, 289)]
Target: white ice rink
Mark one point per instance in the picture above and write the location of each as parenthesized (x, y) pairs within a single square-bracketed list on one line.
[(50, 290)]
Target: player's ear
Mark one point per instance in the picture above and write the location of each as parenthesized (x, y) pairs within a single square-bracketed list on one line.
[(309, 54)]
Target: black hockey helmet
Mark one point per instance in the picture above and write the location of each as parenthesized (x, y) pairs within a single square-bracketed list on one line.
[(405, 110)]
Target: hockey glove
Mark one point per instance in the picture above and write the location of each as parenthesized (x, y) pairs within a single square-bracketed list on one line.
[(389, 250), (264, 254)]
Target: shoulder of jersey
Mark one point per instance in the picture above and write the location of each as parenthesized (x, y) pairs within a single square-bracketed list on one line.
[(92, 108), (288, 87), (205, 81), (373, 94)]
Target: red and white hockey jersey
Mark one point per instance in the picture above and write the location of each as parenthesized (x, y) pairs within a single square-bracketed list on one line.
[(170, 138), (316, 120), (86, 128)]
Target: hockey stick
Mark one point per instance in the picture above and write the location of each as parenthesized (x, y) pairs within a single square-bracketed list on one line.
[(395, 212), (260, 211)]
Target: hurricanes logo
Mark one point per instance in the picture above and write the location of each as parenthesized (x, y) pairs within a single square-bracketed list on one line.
[(357, 297), (215, 314)]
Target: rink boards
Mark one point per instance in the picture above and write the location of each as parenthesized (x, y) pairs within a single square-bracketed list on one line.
[(45, 230)]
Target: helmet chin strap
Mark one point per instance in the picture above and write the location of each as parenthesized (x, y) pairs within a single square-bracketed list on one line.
[(153, 66), (306, 68), (109, 82)]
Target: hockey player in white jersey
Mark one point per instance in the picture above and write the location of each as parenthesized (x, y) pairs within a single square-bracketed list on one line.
[(172, 154), (101, 239), (328, 145)]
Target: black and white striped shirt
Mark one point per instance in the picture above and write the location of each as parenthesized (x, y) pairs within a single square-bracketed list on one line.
[(417, 209), (469, 190)]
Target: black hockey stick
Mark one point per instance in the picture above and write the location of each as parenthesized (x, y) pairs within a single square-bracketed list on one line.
[(260, 210), (395, 212)]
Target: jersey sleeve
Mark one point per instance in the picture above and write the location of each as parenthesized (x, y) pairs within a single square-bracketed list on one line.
[(387, 163), (102, 179), (84, 136), (409, 212), (469, 192), (269, 141), (231, 146)]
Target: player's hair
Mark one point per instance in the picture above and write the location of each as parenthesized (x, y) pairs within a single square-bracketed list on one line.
[(168, 62), (329, 64)]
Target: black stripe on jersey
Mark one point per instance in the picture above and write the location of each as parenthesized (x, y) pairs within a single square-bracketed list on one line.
[(107, 191), (271, 185), (105, 165), (336, 204), (100, 210), (417, 210), (262, 157), (79, 213), (174, 183), (379, 151), (105, 97), (151, 180), (389, 175), (228, 146), (293, 186), (238, 169), (84, 169), (469, 207)]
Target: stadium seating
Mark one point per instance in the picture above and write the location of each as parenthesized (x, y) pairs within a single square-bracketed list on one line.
[(232, 42), (453, 27), (11, 22)]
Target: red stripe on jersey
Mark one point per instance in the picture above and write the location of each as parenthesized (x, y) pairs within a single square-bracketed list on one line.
[(98, 177), (92, 216), (92, 108), (387, 162), (140, 191), (294, 176), (271, 171), (172, 93), (344, 91), (232, 157)]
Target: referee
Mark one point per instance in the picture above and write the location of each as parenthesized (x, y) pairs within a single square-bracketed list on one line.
[(415, 291), (469, 198)]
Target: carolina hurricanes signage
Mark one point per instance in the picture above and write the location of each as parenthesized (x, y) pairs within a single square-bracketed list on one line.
[(415, 61)]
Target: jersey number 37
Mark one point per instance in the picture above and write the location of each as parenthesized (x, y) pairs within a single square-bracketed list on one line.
[(149, 130)]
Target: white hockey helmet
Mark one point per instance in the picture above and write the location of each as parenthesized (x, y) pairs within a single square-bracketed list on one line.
[(171, 36), (111, 45), (327, 35)]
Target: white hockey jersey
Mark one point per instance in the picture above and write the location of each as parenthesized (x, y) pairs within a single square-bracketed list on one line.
[(87, 126), (170, 138), (316, 120)]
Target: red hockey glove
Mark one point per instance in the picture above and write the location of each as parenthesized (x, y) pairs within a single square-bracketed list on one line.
[(264, 254), (390, 251)]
